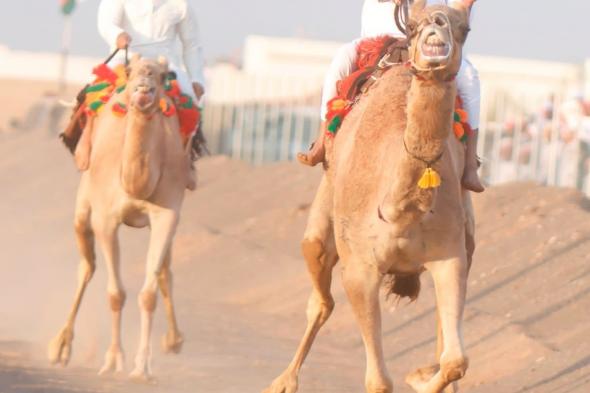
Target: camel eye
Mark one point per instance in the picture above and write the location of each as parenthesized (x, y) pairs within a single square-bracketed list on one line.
[(440, 21), (411, 28)]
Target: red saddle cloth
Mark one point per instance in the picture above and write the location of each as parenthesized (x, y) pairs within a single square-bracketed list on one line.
[(370, 52)]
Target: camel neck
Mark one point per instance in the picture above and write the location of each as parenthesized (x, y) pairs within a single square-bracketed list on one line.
[(430, 109), (141, 164)]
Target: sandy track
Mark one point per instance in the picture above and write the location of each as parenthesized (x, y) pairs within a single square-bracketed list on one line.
[(241, 288)]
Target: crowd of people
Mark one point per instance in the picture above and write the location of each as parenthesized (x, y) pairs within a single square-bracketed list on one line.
[(551, 146)]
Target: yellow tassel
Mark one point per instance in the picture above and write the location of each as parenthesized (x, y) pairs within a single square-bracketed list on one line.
[(430, 179)]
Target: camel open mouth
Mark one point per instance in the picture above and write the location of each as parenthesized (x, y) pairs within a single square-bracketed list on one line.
[(434, 49)]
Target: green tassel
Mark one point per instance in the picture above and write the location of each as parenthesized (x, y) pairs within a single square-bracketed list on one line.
[(335, 124), (121, 88), (189, 102), (457, 118), (96, 105), (99, 87), (464, 138)]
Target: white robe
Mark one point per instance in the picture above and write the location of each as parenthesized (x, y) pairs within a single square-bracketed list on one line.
[(377, 20), (154, 27)]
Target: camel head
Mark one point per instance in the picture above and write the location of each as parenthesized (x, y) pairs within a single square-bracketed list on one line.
[(146, 83), (437, 34)]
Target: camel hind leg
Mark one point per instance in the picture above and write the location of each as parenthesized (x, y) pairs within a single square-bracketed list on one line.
[(60, 348), (319, 251)]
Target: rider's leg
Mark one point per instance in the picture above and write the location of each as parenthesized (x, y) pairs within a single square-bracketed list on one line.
[(469, 89), (343, 64)]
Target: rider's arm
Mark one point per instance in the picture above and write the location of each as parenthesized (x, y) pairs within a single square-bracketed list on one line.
[(110, 21), (192, 49)]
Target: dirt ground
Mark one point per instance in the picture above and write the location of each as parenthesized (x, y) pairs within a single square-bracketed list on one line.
[(241, 286)]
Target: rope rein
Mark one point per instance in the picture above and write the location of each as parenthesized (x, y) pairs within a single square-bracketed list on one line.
[(112, 55)]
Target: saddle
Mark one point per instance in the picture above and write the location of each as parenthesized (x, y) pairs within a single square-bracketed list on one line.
[(93, 97), (376, 56)]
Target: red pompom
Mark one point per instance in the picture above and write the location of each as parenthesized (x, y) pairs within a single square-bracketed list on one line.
[(104, 72)]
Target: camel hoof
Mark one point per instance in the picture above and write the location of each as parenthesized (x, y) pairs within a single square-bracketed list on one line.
[(172, 342), (419, 378), (114, 361), (59, 349), (286, 383), (143, 376)]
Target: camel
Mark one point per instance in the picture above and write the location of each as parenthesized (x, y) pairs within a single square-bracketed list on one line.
[(370, 214), (137, 175)]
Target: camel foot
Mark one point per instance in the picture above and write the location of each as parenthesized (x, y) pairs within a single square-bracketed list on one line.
[(419, 378), (172, 342), (286, 383), (143, 371), (471, 182), (309, 159), (59, 349), (114, 361), (142, 376)]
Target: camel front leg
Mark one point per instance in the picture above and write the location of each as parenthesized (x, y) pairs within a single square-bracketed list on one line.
[(163, 226), (320, 254), (173, 340), (450, 281), (362, 283), (107, 237), (60, 348)]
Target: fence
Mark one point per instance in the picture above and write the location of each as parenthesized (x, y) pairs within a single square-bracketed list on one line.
[(516, 144)]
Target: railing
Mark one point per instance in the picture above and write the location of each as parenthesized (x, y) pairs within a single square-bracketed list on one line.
[(260, 132), (515, 145)]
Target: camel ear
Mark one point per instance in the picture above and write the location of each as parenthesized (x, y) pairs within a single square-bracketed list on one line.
[(163, 62), (417, 7), (134, 59), (462, 28)]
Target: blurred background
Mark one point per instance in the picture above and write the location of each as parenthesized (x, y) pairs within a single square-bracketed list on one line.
[(266, 61)]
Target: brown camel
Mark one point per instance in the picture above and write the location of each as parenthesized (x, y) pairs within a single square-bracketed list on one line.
[(137, 176), (371, 214)]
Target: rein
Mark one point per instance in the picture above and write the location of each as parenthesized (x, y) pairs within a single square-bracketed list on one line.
[(401, 15), (112, 55)]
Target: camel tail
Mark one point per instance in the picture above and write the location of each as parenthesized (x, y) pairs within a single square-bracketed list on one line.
[(403, 286)]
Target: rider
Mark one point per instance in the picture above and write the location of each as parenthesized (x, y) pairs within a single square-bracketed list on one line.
[(378, 20), (151, 29)]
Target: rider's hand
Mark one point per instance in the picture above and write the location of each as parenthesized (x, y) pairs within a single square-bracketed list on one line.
[(398, 2), (198, 89), (123, 40)]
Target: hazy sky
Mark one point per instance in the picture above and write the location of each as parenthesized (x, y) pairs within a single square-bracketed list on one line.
[(541, 29)]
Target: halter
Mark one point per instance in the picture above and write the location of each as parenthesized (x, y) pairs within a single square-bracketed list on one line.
[(416, 70)]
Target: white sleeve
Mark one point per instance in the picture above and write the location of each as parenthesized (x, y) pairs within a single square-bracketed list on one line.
[(192, 50), (469, 90), (111, 14), (342, 66)]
